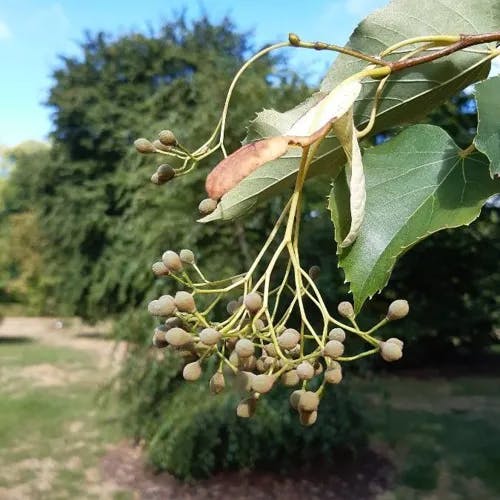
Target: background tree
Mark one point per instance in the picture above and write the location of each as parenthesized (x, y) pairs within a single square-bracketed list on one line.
[(23, 279)]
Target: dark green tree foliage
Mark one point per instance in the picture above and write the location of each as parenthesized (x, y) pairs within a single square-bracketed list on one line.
[(106, 222), (455, 301)]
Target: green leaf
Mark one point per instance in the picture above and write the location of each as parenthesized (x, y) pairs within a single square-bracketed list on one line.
[(417, 184), (488, 130), (338, 204), (409, 94)]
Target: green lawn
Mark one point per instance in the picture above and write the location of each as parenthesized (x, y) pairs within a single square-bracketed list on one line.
[(52, 432), (442, 435)]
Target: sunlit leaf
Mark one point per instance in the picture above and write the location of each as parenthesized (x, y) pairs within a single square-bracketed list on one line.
[(417, 184), (346, 134), (409, 94), (488, 130)]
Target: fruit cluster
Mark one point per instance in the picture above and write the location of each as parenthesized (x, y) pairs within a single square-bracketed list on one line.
[(255, 344)]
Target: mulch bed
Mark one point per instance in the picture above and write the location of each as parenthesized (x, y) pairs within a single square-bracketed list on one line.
[(366, 478)]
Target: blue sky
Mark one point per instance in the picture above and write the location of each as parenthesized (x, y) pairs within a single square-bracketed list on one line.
[(33, 33)]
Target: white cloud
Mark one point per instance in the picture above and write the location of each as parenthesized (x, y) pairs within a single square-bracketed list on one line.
[(5, 32)]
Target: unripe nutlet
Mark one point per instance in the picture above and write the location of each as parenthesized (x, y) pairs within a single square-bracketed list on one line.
[(161, 147), (187, 256), (167, 138), (210, 336), (253, 302), (231, 342), (333, 374), (172, 261), (166, 305), (295, 397), (262, 383), (244, 348), (290, 378), (336, 334), (345, 309), (234, 359), (178, 337), (333, 349), (154, 308), (260, 365), (305, 370), (270, 362), (160, 269), (232, 306), (390, 351), (308, 418), (159, 339), (174, 322), (144, 146), (192, 371), (396, 341), (398, 309), (314, 272), (165, 173), (289, 338), (293, 39), (248, 363), (246, 408), (185, 302), (270, 350), (207, 206), (308, 401), (217, 383)]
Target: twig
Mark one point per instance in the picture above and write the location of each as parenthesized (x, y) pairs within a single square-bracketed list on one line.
[(463, 42)]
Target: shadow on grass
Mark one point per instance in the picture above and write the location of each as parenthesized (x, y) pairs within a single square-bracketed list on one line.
[(94, 335), (16, 340)]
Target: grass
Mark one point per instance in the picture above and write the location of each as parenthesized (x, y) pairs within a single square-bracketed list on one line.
[(21, 354), (52, 433), (442, 435)]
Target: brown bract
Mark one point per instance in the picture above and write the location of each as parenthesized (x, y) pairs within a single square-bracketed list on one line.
[(238, 165), (243, 162)]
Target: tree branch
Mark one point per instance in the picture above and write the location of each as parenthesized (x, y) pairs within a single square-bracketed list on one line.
[(464, 42)]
